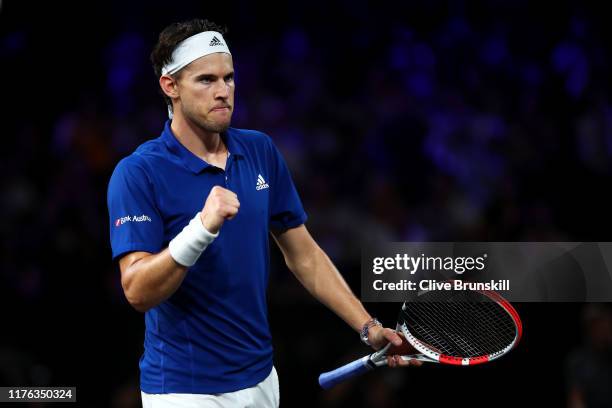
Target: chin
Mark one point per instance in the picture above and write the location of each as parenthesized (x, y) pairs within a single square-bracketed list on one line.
[(216, 127), (223, 128)]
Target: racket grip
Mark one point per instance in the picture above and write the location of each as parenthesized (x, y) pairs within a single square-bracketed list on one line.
[(357, 367)]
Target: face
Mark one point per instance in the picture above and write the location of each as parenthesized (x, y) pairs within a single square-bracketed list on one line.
[(206, 91)]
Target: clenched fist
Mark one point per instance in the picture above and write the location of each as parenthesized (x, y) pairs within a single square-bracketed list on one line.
[(221, 205)]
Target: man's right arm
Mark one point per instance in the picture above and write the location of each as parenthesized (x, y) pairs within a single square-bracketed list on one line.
[(149, 279)]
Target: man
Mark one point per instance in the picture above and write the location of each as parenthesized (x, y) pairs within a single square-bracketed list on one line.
[(191, 212)]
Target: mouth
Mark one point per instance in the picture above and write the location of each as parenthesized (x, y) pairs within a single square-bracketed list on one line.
[(220, 109)]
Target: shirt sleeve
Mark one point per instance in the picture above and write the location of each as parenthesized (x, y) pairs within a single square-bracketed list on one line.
[(135, 221), (286, 210)]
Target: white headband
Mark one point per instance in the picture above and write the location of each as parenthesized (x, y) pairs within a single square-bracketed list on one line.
[(194, 47)]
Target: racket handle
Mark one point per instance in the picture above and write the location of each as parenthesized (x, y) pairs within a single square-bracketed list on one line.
[(357, 367)]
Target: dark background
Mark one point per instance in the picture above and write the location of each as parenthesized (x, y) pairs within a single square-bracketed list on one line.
[(424, 121)]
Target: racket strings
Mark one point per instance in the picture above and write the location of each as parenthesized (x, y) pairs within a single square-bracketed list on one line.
[(483, 323), (454, 336), (474, 328), (450, 337), (459, 323)]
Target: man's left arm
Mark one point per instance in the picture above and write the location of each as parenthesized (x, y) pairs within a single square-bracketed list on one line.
[(313, 268)]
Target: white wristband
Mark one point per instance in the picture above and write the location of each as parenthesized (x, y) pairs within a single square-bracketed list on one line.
[(189, 244)]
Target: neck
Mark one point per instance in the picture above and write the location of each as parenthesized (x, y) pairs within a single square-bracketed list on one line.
[(201, 142)]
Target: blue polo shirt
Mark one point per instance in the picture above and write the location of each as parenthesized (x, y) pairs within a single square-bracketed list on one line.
[(212, 334)]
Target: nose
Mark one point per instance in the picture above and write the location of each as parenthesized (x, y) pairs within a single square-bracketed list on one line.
[(222, 89)]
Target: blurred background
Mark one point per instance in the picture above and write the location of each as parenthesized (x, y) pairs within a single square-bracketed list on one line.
[(416, 121)]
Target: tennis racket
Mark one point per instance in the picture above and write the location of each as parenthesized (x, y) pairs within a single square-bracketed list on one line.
[(458, 327)]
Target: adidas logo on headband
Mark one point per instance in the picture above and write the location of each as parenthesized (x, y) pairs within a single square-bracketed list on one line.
[(215, 41)]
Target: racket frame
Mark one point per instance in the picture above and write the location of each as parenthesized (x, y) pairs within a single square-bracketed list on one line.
[(433, 355)]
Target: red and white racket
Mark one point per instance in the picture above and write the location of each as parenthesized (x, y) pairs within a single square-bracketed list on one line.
[(458, 327)]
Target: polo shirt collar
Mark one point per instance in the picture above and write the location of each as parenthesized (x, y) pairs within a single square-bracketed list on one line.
[(190, 160)]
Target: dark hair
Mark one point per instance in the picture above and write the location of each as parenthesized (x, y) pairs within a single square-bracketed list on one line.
[(174, 34)]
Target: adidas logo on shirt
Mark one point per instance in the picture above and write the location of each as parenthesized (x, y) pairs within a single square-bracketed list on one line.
[(215, 41), (261, 183)]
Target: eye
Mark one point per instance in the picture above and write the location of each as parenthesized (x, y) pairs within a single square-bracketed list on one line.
[(205, 79), (229, 78)]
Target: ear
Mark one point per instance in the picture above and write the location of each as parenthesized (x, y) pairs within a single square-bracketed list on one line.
[(169, 86)]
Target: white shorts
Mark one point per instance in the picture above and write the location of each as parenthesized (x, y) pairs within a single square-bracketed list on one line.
[(266, 394)]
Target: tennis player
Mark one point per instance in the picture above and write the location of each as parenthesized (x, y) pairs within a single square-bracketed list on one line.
[(190, 216)]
